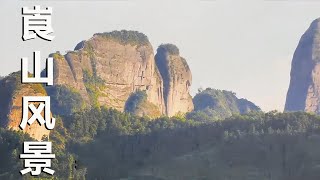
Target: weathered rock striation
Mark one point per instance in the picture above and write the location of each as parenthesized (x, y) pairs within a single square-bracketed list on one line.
[(177, 79), (109, 67), (116, 70), (304, 89)]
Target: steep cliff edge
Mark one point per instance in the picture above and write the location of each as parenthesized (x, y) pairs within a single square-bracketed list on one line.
[(177, 79), (11, 93), (304, 88), (117, 70), (109, 67)]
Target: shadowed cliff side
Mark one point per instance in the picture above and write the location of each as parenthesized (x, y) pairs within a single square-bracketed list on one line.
[(109, 67), (304, 89), (177, 79), (106, 69)]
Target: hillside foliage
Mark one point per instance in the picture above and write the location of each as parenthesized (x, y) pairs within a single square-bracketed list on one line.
[(107, 144), (214, 104), (138, 104)]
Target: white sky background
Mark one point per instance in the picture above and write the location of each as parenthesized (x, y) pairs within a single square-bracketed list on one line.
[(241, 45)]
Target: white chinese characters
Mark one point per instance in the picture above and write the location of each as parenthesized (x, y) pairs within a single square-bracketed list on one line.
[(37, 156), (37, 70), (37, 22), (43, 106)]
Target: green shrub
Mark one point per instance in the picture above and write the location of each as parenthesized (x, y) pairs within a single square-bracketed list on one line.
[(127, 37)]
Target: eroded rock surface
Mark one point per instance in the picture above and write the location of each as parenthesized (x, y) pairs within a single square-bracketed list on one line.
[(177, 79), (109, 67), (304, 89), (105, 70)]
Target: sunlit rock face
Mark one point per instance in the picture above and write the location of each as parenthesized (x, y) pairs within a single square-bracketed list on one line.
[(109, 67), (105, 70), (304, 89), (177, 79), (11, 93)]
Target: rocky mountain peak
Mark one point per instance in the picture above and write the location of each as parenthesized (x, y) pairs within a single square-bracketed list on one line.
[(177, 79), (304, 88), (110, 67), (114, 69)]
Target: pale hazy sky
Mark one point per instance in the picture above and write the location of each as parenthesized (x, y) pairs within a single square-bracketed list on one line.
[(241, 45)]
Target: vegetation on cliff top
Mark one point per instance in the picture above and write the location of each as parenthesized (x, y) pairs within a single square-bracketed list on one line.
[(126, 37), (169, 48), (57, 55)]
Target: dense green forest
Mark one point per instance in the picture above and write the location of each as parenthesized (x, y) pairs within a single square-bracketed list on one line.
[(103, 143), (214, 104)]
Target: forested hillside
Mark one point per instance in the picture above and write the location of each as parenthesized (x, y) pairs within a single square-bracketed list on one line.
[(107, 144), (214, 104)]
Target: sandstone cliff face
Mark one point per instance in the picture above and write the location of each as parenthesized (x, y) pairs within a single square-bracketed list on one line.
[(110, 70), (11, 93), (109, 67), (304, 89), (105, 70), (177, 79)]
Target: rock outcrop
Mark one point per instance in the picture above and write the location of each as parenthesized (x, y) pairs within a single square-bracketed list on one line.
[(177, 79), (116, 70), (11, 93), (304, 89), (138, 104), (106, 69), (220, 104)]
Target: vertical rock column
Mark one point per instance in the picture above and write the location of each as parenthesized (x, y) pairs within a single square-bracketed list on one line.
[(304, 89), (177, 79)]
